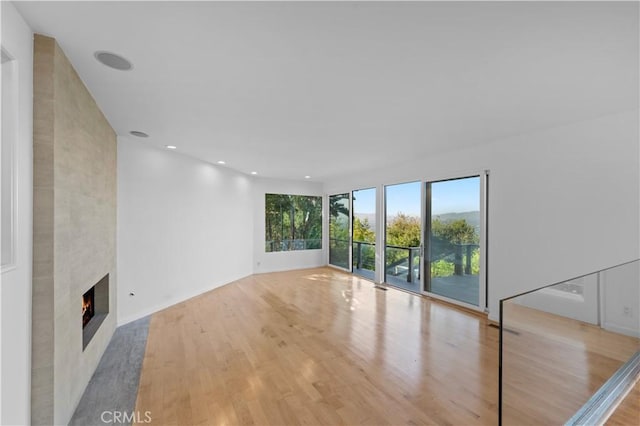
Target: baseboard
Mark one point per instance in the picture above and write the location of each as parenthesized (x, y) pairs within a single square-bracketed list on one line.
[(169, 303)]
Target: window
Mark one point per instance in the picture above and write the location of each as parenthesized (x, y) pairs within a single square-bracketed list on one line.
[(292, 222), (364, 232), (339, 230), (403, 234), (453, 240)]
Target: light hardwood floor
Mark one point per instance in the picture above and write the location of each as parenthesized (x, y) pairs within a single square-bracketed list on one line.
[(628, 412), (552, 365), (318, 347)]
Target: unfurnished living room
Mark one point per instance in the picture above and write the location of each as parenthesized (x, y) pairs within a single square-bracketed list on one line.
[(320, 213)]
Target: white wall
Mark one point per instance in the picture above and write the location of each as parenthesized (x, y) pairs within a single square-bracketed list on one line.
[(620, 299), (563, 202), (17, 40), (184, 227), (585, 307), (280, 261)]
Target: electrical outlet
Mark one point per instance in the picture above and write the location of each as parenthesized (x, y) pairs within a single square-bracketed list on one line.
[(626, 311)]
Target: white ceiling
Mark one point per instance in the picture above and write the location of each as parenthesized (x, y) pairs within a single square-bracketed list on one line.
[(322, 89)]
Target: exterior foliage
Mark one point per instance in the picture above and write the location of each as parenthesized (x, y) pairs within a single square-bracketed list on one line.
[(362, 231), (454, 249), (292, 222), (339, 230), (404, 231), (449, 241), (455, 232)]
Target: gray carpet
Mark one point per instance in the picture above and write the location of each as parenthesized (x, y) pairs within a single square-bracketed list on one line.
[(113, 388)]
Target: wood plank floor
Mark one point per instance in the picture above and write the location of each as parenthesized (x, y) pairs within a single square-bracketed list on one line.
[(318, 346), (552, 365), (628, 412)]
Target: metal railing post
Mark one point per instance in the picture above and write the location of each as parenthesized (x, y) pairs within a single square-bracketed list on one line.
[(467, 267), (457, 260), (410, 271)]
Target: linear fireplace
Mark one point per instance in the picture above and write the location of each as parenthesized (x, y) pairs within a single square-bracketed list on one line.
[(88, 306), (95, 307)]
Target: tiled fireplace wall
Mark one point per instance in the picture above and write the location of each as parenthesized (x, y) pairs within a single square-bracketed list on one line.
[(74, 231)]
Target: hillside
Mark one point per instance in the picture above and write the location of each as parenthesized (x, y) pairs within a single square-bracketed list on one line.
[(472, 218)]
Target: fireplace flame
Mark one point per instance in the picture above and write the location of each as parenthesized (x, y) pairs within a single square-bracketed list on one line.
[(87, 307)]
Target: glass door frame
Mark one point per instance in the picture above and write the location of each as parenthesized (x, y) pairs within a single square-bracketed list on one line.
[(482, 274), (350, 242), (380, 230), (376, 229), (383, 234)]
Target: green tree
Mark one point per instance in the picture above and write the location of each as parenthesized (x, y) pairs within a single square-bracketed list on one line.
[(362, 231), (339, 217), (442, 268), (277, 220), (404, 231), (337, 205), (450, 236), (455, 231), (339, 230), (307, 217), (292, 217)]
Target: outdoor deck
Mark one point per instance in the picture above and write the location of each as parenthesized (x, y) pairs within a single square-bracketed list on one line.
[(459, 287)]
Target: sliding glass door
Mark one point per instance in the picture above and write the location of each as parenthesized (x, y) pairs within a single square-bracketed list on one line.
[(339, 237), (433, 237), (452, 256), (403, 234), (364, 233)]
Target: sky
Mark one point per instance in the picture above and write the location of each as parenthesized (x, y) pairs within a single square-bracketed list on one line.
[(455, 196), (450, 196)]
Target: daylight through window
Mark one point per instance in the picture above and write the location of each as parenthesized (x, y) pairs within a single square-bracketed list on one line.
[(292, 222)]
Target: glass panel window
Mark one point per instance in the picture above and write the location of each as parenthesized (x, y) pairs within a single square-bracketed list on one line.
[(292, 222), (403, 236), (453, 260), (339, 230), (364, 233)]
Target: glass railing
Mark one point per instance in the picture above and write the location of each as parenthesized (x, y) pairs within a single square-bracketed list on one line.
[(339, 252), (567, 351), (297, 244), (364, 259), (403, 263)]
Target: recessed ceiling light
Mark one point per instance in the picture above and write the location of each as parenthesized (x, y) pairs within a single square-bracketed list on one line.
[(307, 177), (254, 173), (138, 134), (171, 147), (114, 61), (222, 162)]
